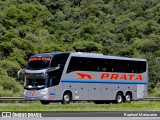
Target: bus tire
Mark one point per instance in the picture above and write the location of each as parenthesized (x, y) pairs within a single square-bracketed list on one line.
[(66, 98), (128, 97), (119, 97), (44, 102)]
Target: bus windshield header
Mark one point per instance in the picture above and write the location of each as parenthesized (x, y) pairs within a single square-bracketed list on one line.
[(36, 63)]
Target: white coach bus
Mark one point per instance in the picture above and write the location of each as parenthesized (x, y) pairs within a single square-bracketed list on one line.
[(79, 76)]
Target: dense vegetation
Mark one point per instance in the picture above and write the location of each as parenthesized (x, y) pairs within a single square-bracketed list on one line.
[(114, 27)]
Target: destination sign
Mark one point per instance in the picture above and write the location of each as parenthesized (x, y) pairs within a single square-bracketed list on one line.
[(40, 59)]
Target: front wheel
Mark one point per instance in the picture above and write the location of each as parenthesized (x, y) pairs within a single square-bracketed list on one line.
[(66, 98)]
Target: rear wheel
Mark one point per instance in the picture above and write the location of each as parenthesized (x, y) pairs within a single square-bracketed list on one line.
[(44, 102), (66, 98), (128, 97), (119, 97)]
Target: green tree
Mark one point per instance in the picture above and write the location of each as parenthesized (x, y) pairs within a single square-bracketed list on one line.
[(86, 46)]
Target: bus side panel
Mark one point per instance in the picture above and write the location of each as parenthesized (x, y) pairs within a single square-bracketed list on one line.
[(79, 90), (86, 89), (109, 91), (94, 91), (54, 93)]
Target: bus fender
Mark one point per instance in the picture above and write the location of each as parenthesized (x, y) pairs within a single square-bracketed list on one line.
[(65, 91)]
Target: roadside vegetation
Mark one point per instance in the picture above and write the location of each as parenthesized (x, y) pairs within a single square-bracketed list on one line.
[(37, 106), (127, 28)]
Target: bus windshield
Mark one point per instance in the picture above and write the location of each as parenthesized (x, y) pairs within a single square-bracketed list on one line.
[(38, 83), (36, 63)]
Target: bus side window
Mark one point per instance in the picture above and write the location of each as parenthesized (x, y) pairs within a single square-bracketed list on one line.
[(104, 69), (55, 61), (103, 65), (59, 60), (74, 64)]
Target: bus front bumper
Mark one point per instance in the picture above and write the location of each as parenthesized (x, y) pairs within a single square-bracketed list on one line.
[(35, 95)]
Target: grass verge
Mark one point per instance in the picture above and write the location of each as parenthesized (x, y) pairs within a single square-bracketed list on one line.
[(36, 106)]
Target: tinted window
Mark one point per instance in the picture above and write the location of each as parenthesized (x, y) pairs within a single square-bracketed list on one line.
[(106, 65), (59, 59)]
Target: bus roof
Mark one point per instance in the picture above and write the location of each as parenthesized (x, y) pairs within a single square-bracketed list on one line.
[(96, 55), (48, 54), (90, 55)]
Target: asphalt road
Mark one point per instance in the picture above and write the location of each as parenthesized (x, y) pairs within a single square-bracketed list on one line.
[(79, 115), (82, 118), (110, 115)]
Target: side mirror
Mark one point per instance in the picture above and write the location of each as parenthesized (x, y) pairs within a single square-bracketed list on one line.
[(51, 69), (19, 72)]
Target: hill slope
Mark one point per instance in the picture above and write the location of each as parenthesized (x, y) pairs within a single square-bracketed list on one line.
[(112, 27)]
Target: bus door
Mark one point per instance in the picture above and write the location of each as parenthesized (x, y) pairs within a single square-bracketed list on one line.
[(55, 76)]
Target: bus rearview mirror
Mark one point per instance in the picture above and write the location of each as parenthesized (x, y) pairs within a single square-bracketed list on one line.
[(19, 72)]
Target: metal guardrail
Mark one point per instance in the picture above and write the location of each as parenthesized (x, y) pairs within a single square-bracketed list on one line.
[(11, 99), (21, 99), (152, 99)]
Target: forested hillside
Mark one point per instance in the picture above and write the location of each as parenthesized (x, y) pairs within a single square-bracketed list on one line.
[(113, 27)]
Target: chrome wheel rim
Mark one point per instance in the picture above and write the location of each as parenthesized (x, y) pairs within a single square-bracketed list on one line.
[(66, 98), (119, 98), (128, 98)]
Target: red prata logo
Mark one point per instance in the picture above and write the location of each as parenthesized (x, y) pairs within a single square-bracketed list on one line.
[(83, 76), (111, 76)]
